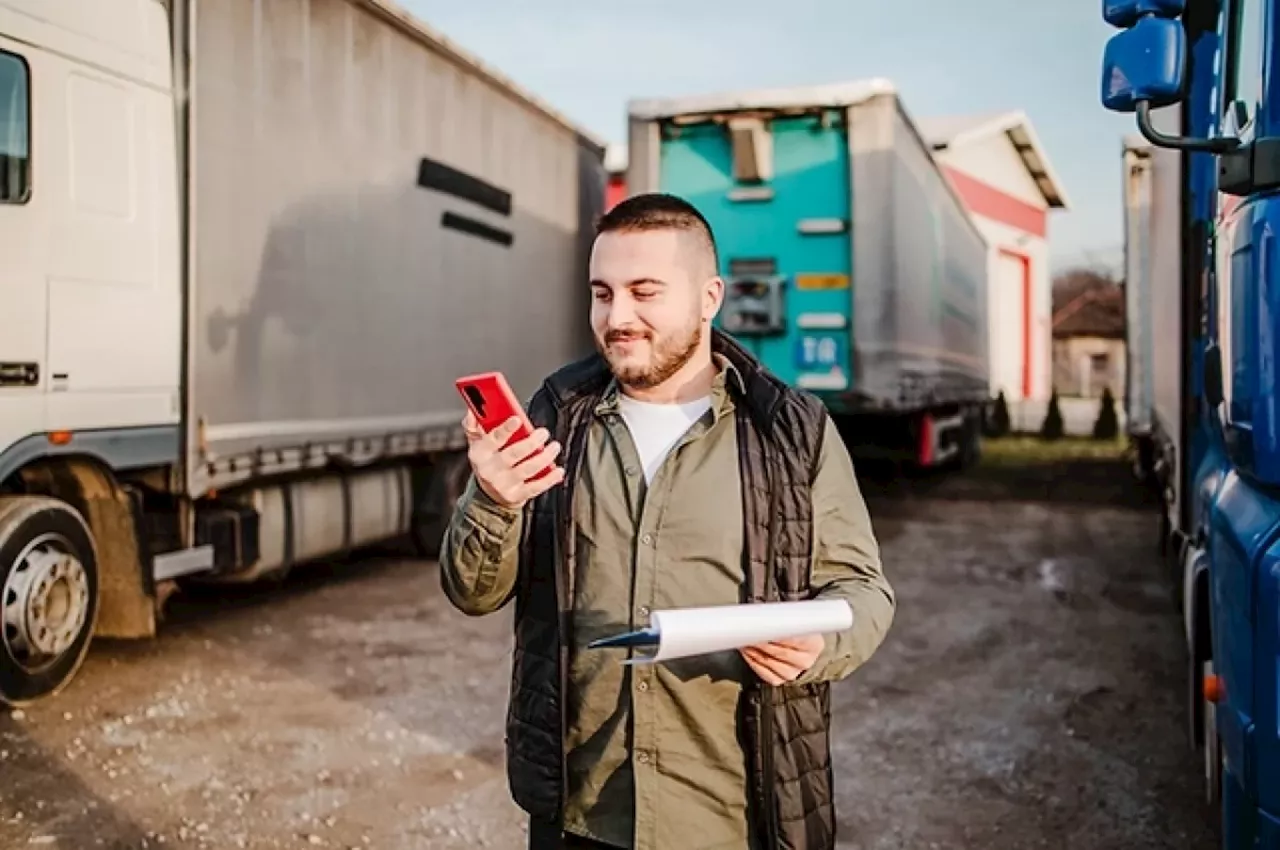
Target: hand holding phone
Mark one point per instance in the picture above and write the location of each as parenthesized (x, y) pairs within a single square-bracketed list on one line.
[(512, 461)]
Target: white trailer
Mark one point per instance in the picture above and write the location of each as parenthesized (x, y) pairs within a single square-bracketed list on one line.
[(1154, 312), (248, 246)]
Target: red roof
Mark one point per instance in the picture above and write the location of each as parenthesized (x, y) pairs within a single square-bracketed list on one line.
[(1090, 310)]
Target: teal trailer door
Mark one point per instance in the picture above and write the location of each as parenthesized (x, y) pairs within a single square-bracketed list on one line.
[(784, 242)]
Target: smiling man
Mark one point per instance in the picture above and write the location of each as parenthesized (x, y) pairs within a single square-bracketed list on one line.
[(691, 476)]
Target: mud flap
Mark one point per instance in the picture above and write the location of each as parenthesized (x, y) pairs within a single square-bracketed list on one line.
[(128, 606)]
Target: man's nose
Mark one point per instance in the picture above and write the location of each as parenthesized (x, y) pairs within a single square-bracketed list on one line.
[(621, 314)]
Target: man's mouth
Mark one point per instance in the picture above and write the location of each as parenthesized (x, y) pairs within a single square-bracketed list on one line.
[(624, 339)]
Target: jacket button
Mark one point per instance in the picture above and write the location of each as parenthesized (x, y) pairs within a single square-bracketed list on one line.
[(647, 539), (643, 758), (631, 472)]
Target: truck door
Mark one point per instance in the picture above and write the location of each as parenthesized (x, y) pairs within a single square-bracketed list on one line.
[(113, 295), (22, 231), (1242, 517)]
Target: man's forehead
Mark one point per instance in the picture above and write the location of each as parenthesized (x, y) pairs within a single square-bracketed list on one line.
[(657, 244), (643, 253)]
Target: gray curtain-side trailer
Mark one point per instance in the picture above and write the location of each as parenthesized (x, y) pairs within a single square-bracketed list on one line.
[(295, 223)]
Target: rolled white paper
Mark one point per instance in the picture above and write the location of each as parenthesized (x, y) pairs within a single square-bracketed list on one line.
[(683, 632)]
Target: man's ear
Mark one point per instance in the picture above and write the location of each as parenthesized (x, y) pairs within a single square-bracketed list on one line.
[(712, 298)]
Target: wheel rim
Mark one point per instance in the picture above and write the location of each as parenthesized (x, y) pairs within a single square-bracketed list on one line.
[(45, 602)]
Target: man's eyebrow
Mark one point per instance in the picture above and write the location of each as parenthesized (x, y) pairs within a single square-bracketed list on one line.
[(640, 281)]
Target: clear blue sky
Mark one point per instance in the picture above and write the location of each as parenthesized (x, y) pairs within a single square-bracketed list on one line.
[(588, 57)]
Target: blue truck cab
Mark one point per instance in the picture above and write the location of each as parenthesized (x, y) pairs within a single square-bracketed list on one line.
[(852, 268), (1198, 75)]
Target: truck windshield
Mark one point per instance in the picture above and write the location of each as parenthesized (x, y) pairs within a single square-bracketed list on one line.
[(1243, 84), (15, 160)]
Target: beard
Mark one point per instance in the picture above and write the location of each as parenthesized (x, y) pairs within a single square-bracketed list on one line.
[(666, 355)]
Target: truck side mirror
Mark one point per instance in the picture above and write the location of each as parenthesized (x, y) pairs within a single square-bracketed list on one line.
[(1144, 65), (1213, 390)]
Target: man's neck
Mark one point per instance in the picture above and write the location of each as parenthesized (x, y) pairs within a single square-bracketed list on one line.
[(692, 382)]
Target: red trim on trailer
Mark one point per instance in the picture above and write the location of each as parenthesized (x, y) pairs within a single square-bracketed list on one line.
[(986, 200), (926, 440), (614, 191), (1028, 312)]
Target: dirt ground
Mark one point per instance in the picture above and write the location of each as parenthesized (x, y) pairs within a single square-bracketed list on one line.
[(1029, 695)]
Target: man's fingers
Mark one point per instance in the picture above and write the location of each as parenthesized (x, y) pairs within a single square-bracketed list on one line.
[(538, 486), (471, 427), (768, 669), (518, 451), (530, 467), (783, 655), (483, 449), (799, 644), (781, 666), (504, 431)]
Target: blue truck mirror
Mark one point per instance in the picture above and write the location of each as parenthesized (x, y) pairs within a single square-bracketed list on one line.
[(1144, 65), (1123, 14)]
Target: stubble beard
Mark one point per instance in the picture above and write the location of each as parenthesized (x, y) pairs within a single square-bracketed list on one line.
[(667, 357)]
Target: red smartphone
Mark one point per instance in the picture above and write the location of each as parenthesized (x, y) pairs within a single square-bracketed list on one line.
[(492, 402)]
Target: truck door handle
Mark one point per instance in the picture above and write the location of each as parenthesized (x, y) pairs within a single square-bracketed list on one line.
[(19, 374)]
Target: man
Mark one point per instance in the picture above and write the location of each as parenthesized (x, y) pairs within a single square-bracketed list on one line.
[(690, 476)]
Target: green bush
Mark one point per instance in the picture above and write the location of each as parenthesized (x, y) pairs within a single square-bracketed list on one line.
[(1107, 425), (1053, 427), (999, 424)]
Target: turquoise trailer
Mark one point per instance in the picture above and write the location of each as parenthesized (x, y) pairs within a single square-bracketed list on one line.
[(852, 268)]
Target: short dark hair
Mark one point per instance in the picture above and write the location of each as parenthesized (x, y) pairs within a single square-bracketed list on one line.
[(659, 211)]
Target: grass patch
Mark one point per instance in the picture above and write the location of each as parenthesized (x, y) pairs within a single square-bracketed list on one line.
[(1025, 450)]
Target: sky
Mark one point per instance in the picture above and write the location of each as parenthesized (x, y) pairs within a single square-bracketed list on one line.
[(587, 58)]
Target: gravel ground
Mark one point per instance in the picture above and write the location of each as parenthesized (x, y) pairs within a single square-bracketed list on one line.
[(1028, 696)]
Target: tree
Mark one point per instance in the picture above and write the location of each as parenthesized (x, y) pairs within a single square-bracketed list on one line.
[(999, 424), (1078, 280), (1107, 425), (1053, 427)]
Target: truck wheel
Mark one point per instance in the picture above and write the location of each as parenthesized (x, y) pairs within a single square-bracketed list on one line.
[(48, 596), (435, 507), (971, 447)]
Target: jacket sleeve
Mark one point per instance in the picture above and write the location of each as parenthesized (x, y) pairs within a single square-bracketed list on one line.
[(480, 555), (846, 564)]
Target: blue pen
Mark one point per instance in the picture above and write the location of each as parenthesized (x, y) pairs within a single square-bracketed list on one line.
[(643, 637)]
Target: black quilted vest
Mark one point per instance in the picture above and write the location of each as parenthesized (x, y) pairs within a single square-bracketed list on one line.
[(779, 433)]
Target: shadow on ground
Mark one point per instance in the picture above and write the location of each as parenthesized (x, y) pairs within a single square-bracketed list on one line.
[(1071, 472), (42, 799)]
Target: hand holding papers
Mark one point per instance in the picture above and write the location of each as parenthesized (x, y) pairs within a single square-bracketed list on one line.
[(681, 632)]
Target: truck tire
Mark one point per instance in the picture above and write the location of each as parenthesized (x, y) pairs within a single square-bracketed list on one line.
[(431, 517), (48, 596), (971, 441)]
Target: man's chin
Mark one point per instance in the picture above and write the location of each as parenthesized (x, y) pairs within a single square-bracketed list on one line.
[(630, 371), (628, 368)]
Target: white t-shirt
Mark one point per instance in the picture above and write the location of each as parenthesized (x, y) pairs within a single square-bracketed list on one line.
[(656, 428)]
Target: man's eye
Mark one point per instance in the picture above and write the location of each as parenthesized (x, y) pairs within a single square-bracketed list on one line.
[(644, 293), (601, 294)]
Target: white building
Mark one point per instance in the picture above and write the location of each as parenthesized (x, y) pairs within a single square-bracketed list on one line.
[(998, 167)]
